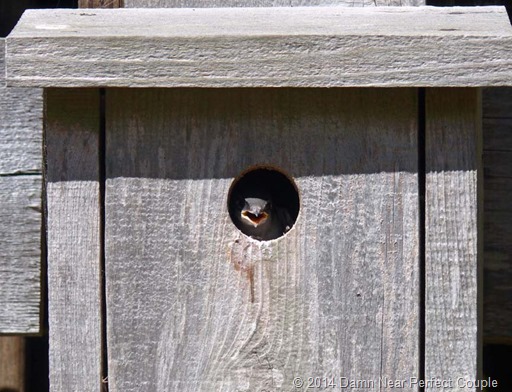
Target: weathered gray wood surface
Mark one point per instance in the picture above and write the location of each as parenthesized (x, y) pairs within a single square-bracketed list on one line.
[(453, 243), (99, 3), (21, 113), (296, 47), (20, 206), (264, 3), (74, 239), (209, 309), (497, 132), (21, 117), (20, 223)]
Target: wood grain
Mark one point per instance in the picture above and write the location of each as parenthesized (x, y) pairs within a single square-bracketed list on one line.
[(21, 119), (265, 3), (209, 309), (453, 241), (497, 102), (263, 47), (99, 3), (12, 364), (497, 135), (20, 206), (497, 164), (73, 199), (21, 112), (497, 127), (20, 225), (498, 258)]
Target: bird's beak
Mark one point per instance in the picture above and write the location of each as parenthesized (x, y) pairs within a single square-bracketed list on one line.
[(255, 219)]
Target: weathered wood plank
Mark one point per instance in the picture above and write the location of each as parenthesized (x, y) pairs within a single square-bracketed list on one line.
[(497, 161), (497, 102), (263, 47), (265, 3), (453, 235), (498, 164), (20, 225), (497, 136), (12, 364), (498, 258), (20, 206), (99, 3), (74, 239), (21, 116), (21, 119), (209, 309)]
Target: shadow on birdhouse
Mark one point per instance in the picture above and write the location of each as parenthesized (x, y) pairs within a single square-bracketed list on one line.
[(263, 203)]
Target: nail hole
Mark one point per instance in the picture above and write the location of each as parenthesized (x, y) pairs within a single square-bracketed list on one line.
[(263, 202)]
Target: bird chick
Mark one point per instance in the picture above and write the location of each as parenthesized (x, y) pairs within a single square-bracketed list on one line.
[(255, 211), (258, 219)]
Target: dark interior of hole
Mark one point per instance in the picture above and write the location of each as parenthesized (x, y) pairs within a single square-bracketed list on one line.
[(265, 184)]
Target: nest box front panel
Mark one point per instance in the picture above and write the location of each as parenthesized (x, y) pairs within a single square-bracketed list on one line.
[(207, 308)]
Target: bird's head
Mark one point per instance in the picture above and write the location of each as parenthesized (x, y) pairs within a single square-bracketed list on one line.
[(255, 211)]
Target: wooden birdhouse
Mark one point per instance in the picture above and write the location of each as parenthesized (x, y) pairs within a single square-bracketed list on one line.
[(361, 129)]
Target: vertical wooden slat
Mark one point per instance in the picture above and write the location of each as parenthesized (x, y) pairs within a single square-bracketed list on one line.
[(12, 364), (74, 258), (209, 309), (453, 235), (497, 161)]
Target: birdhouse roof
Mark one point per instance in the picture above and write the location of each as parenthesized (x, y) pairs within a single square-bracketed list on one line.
[(262, 47)]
